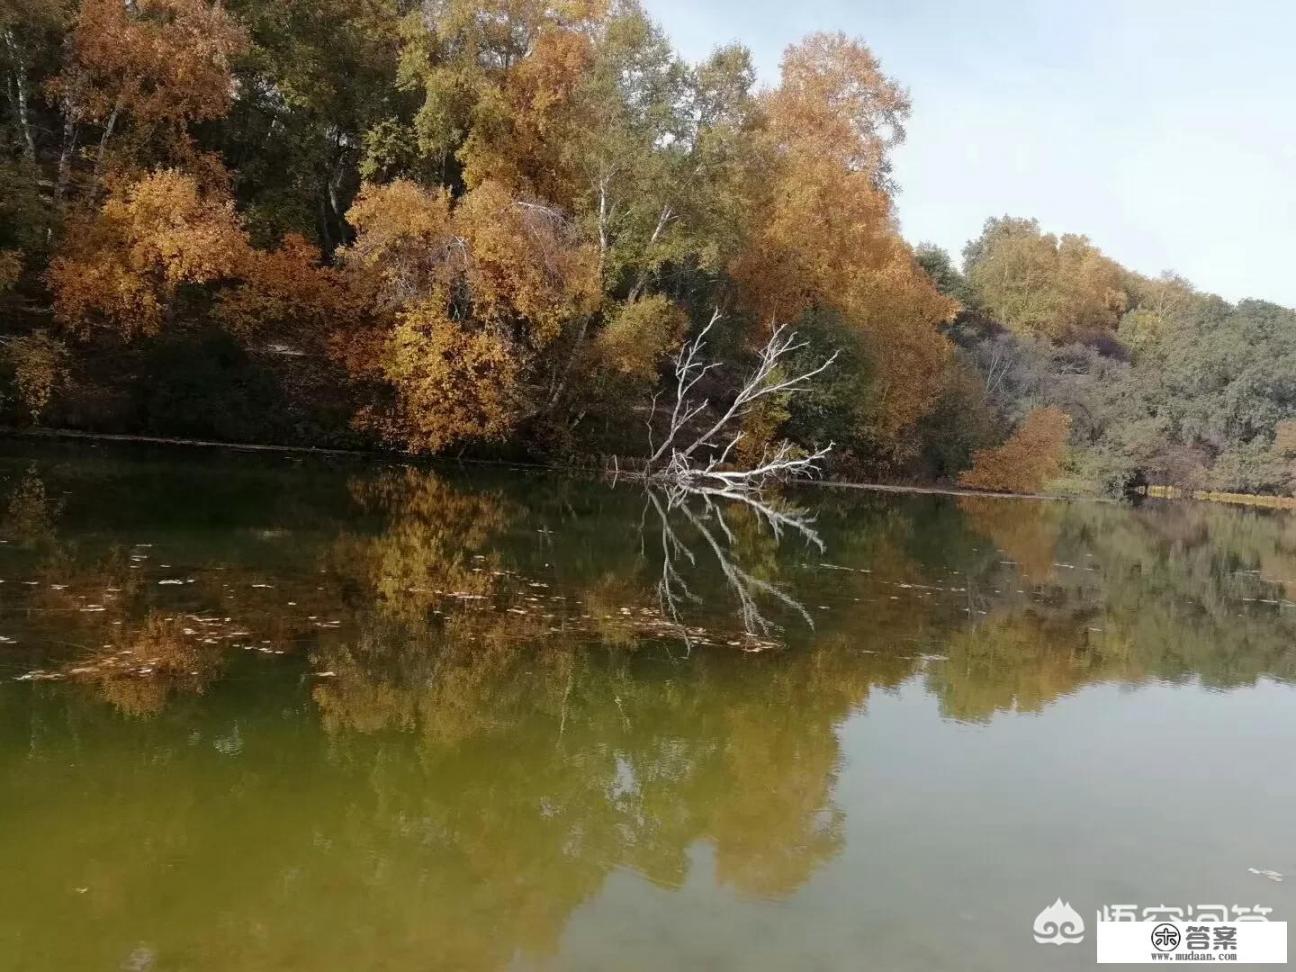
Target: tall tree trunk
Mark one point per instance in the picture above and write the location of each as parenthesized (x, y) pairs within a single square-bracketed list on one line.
[(666, 216), (103, 144), (21, 108), (65, 155), (326, 234), (335, 206), (337, 171)]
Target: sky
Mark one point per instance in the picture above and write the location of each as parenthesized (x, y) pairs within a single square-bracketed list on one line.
[(1164, 130)]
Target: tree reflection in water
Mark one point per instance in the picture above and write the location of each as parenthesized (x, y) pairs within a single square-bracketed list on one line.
[(704, 510), (458, 706)]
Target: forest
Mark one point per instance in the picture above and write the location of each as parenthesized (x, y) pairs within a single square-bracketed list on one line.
[(488, 227)]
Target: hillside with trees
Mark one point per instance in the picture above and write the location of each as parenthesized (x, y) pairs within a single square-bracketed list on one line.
[(488, 228)]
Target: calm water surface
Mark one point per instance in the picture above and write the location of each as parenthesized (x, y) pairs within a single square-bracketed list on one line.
[(260, 713)]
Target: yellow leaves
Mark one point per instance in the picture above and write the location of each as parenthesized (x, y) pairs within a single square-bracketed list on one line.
[(821, 231), (288, 294), (899, 309), (525, 266), (453, 384), (39, 364), (1038, 284), (634, 342), (395, 221), (172, 226), (163, 61), (477, 291), (522, 133), (125, 266), (835, 103), (498, 260), (499, 79), (815, 230), (1028, 460)]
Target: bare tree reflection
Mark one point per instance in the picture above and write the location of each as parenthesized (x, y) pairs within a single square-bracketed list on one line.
[(703, 509)]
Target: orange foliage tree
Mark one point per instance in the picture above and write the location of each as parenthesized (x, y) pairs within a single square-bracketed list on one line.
[(474, 291), (288, 295), (124, 267), (160, 64), (1028, 460), (821, 230)]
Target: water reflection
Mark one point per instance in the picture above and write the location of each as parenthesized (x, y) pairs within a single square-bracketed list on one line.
[(731, 530), (425, 590), (436, 713)]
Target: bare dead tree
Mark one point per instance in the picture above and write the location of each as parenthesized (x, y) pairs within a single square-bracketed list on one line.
[(677, 459)]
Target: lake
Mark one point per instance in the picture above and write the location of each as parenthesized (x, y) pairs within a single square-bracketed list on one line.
[(266, 712)]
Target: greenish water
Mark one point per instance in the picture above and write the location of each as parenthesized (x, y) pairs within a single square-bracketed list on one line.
[(278, 713)]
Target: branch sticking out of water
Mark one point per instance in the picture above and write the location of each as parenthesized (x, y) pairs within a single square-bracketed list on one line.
[(675, 460)]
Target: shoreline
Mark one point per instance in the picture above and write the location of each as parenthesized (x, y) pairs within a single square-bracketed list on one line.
[(73, 434), (172, 441), (1152, 492)]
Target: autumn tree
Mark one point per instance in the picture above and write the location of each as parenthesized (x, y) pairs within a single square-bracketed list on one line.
[(589, 111), (821, 235), (125, 267), (1036, 283), (287, 294), (1030, 458), (149, 67), (635, 341), (489, 71), (475, 292)]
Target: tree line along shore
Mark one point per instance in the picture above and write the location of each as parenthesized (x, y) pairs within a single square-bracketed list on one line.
[(489, 228)]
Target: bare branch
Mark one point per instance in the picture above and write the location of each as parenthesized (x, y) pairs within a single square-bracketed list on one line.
[(690, 368)]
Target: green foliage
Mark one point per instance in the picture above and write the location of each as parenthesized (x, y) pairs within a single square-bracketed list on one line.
[(962, 422), (1036, 283), (490, 224), (24, 215), (947, 277)]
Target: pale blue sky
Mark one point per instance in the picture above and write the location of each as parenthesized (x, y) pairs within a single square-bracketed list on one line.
[(1165, 130)]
